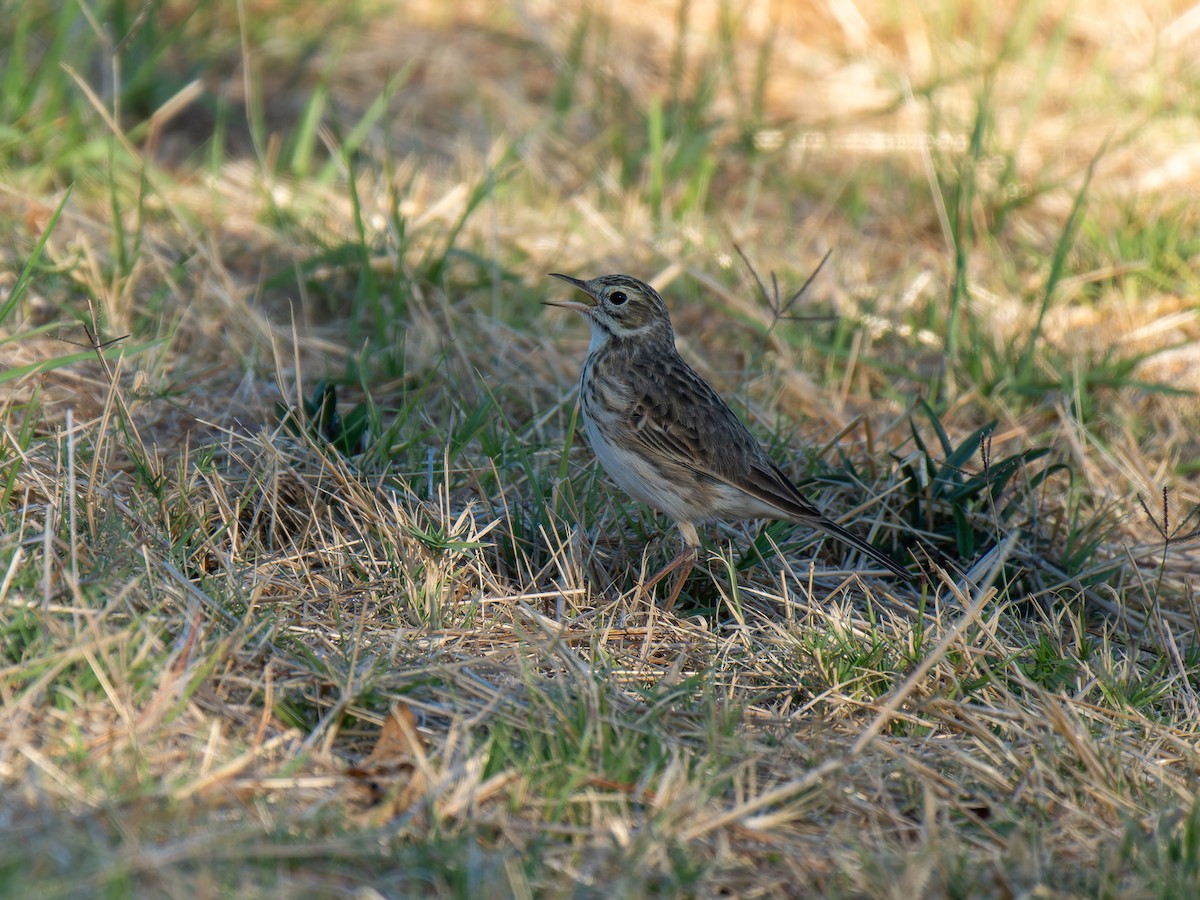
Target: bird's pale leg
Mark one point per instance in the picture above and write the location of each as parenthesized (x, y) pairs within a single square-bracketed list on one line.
[(681, 565), (687, 558)]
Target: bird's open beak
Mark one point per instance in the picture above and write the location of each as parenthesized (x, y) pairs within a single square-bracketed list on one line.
[(573, 304)]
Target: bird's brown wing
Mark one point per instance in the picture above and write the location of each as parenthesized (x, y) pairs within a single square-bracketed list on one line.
[(678, 415)]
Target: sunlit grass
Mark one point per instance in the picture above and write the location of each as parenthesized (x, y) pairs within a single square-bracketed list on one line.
[(289, 444)]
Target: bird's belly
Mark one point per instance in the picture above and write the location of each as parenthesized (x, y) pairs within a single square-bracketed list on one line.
[(678, 495)]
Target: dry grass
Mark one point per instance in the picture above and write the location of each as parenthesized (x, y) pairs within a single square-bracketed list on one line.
[(209, 618)]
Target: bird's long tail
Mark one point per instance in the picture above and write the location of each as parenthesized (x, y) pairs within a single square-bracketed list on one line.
[(831, 527)]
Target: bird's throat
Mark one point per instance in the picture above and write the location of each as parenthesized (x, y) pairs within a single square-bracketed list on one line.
[(601, 334)]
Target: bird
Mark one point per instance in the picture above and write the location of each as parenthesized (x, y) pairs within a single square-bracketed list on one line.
[(666, 437)]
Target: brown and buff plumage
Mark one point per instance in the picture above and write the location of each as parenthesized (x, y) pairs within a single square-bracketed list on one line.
[(666, 437)]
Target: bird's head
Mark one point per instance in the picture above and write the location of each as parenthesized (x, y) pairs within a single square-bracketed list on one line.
[(620, 306)]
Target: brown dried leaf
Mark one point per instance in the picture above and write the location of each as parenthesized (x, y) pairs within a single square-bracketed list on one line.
[(392, 776)]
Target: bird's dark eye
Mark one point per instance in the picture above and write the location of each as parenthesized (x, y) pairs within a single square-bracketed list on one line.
[(616, 298)]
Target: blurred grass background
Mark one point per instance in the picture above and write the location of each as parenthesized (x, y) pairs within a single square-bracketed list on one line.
[(289, 449)]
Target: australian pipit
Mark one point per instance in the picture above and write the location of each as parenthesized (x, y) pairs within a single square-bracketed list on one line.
[(666, 437)]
